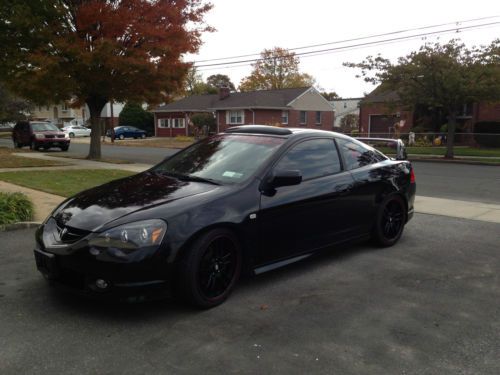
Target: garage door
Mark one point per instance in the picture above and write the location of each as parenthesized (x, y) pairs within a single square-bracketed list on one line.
[(381, 125)]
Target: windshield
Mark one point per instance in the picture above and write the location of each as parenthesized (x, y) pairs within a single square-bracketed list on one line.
[(222, 158), (42, 127)]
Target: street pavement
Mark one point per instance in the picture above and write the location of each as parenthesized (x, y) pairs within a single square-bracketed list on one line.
[(428, 305), (477, 183)]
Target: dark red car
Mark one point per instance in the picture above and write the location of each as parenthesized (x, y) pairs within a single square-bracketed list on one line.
[(39, 134)]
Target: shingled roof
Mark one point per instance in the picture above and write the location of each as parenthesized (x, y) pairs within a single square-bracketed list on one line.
[(253, 99), (381, 95)]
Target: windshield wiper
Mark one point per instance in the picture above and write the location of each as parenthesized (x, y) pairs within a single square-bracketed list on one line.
[(190, 177)]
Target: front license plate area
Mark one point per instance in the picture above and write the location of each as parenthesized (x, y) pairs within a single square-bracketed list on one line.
[(46, 263)]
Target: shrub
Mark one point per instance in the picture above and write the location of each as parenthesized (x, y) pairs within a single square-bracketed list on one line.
[(487, 127), (204, 122), (15, 207), (134, 115)]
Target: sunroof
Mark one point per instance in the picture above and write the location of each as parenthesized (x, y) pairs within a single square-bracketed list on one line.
[(259, 129)]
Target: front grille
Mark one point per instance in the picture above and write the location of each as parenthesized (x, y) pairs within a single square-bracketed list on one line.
[(50, 136), (69, 235), (60, 136)]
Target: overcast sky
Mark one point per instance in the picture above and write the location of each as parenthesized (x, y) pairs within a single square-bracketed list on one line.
[(249, 26)]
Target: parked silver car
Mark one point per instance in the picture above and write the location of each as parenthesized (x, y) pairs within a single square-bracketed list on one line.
[(77, 131)]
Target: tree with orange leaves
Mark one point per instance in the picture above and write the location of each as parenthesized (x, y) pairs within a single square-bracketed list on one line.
[(98, 50)]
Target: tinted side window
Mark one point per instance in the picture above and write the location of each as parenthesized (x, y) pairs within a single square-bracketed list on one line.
[(313, 158), (356, 155)]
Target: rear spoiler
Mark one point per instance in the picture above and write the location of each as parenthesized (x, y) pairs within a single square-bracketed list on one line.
[(397, 144)]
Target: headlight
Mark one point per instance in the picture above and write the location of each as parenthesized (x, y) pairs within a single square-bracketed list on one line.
[(66, 135), (132, 236), (39, 136)]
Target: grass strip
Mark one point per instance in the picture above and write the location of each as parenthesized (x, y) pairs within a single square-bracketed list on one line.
[(63, 182)]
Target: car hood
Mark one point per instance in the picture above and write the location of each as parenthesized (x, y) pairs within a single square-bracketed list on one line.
[(94, 208)]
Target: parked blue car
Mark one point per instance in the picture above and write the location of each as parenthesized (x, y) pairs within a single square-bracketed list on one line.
[(122, 132)]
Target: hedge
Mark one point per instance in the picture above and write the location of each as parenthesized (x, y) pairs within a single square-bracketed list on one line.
[(15, 207)]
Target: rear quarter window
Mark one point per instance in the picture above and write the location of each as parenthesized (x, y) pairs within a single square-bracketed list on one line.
[(356, 155)]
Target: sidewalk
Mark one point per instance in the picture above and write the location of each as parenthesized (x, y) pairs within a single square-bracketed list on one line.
[(76, 164), (456, 208)]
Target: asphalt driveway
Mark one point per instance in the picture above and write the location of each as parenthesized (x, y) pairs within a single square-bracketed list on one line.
[(429, 305)]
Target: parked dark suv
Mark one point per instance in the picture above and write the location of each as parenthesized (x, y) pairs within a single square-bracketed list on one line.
[(39, 134)]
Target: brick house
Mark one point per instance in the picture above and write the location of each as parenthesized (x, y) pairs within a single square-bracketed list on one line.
[(296, 107), (380, 112)]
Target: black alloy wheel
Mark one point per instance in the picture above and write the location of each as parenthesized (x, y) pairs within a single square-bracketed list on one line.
[(210, 269), (217, 267), (390, 221)]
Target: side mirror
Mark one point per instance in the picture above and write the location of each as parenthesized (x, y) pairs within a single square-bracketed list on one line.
[(282, 177)]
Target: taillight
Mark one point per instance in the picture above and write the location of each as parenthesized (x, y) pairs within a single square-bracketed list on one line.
[(412, 176)]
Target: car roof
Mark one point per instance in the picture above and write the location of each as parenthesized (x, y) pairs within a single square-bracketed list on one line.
[(275, 130)]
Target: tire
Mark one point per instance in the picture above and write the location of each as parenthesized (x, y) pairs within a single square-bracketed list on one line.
[(390, 221), (121, 136), (143, 136), (72, 135), (210, 269), (64, 148), (34, 146)]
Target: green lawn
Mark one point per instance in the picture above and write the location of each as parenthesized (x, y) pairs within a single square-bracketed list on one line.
[(7, 160), (459, 151), (63, 182)]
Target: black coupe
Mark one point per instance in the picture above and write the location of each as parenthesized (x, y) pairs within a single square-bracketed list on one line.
[(253, 198)]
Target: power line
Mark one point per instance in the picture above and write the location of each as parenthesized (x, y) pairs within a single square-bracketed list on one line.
[(353, 46), (358, 38)]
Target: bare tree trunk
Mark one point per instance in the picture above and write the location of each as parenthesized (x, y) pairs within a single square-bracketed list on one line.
[(450, 141), (95, 107)]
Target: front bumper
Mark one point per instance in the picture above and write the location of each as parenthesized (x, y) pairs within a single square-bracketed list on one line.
[(52, 142), (76, 269)]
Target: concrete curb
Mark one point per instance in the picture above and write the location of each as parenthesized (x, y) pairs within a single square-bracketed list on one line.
[(19, 225)]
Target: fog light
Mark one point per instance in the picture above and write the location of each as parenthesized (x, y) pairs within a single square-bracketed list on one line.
[(101, 284), (94, 251)]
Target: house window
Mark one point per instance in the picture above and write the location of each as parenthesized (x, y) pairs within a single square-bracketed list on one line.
[(345, 104), (164, 123), (318, 117), (303, 117), (235, 117), (178, 123), (284, 117), (64, 106)]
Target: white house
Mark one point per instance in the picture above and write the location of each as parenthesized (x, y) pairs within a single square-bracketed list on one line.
[(344, 107)]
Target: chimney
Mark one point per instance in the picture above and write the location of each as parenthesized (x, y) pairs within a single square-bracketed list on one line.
[(224, 92)]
